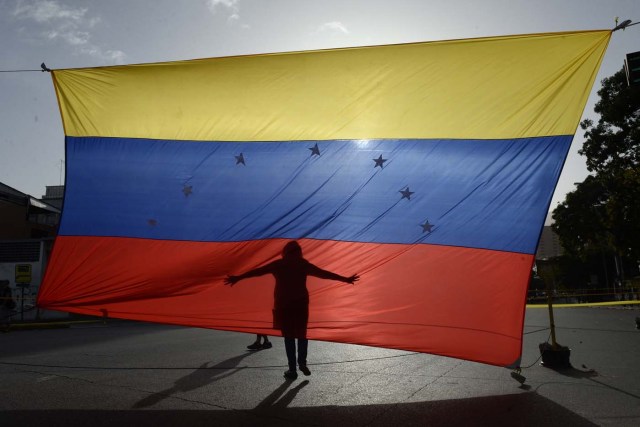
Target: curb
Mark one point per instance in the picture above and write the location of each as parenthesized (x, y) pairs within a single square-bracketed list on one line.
[(48, 325), (29, 326)]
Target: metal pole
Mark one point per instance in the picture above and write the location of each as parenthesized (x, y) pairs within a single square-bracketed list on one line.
[(22, 306), (604, 265), (552, 325)]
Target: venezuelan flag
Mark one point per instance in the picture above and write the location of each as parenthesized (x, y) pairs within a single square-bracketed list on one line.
[(427, 168)]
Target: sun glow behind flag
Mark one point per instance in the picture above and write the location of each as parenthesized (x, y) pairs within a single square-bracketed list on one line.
[(427, 168)]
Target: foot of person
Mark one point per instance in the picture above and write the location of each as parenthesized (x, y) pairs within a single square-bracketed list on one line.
[(291, 375), (255, 346), (267, 344), (305, 370)]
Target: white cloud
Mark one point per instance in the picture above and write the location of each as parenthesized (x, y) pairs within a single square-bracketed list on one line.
[(117, 56), (335, 26), (93, 22), (232, 7), (113, 56), (48, 10), (73, 38), (67, 24)]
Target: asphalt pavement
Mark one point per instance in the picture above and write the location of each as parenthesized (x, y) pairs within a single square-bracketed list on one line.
[(127, 373)]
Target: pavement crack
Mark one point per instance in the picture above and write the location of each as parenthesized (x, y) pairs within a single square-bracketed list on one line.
[(171, 396), (436, 378), (420, 389), (53, 374), (354, 382)]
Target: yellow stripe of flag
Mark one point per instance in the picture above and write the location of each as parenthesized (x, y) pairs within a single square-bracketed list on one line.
[(487, 88)]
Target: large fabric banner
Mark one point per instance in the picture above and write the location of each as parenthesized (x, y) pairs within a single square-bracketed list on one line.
[(425, 168)]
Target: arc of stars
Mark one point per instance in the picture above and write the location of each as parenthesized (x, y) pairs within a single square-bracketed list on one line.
[(427, 227)]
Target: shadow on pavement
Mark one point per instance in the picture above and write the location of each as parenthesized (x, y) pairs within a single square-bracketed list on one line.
[(274, 401), (524, 409), (577, 373), (201, 377)]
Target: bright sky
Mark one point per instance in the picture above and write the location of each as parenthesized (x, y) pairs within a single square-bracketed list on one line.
[(69, 34)]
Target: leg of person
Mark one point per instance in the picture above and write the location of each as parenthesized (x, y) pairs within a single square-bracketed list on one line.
[(5, 317), (256, 345), (290, 347), (303, 345), (265, 342)]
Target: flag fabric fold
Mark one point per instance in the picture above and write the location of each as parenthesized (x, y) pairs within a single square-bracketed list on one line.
[(426, 168)]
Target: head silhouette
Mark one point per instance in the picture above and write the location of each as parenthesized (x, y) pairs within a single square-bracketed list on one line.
[(292, 250)]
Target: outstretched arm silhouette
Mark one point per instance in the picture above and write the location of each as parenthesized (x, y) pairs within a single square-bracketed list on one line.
[(314, 271), (324, 274), (260, 271), (291, 260)]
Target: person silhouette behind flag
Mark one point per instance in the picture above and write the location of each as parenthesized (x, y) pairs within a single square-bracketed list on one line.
[(291, 300), (260, 346)]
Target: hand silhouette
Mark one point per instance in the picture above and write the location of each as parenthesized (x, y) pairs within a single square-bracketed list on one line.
[(231, 280), (353, 279)]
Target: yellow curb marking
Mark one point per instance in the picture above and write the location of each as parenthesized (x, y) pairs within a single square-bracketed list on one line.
[(585, 304)]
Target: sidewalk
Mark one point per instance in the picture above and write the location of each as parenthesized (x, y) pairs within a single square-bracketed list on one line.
[(59, 323), (134, 373)]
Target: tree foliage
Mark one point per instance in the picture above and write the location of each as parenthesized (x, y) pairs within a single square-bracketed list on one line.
[(580, 220), (612, 144), (603, 213)]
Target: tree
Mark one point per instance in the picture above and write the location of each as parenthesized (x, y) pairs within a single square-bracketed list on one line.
[(603, 213), (623, 212), (580, 220), (613, 144)]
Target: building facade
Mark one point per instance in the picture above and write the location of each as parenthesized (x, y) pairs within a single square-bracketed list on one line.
[(549, 245), (28, 227), (54, 196)]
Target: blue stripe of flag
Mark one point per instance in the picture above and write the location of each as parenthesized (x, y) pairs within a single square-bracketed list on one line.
[(490, 194)]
